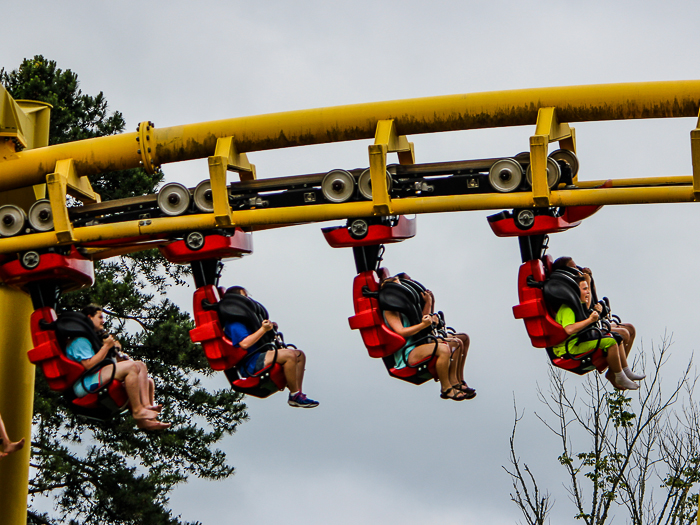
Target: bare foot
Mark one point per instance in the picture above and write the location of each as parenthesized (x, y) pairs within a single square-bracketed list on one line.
[(12, 447), (151, 424), (145, 413)]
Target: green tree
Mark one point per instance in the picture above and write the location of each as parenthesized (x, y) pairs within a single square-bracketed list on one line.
[(639, 460), (109, 472)]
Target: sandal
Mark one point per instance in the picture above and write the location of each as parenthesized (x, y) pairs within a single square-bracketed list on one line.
[(456, 394), (463, 387)]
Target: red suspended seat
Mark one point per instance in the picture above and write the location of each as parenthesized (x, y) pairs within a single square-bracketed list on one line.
[(380, 340), (540, 324), (62, 373), (222, 355)]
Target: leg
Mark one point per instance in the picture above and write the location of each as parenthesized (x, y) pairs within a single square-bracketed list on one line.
[(464, 338), (147, 388), (128, 372), (289, 359), (7, 446), (442, 365)]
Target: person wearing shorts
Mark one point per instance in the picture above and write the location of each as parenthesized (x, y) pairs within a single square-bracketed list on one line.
[(139, 387), (619, 375), (292, 360)]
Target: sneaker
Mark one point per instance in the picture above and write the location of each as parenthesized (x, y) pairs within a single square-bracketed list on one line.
[(300, 400)]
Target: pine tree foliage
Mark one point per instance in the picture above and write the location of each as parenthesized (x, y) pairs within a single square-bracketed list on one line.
[(111, 473)]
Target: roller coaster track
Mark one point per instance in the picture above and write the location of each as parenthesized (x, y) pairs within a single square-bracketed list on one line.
[(225, 143)]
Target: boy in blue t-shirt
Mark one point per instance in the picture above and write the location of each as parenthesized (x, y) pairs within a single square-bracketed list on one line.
[(292, 360)]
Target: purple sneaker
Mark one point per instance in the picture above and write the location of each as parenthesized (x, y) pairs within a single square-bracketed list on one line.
[(300, 400)]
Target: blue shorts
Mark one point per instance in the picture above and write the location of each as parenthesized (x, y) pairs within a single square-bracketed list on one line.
[(87, 384)]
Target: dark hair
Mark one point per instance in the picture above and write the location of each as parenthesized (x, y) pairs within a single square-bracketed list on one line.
[(92, 309), (237, 290), (561, 262), (404, 276)]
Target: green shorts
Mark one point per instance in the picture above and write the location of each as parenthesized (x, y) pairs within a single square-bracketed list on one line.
[(587, 346)]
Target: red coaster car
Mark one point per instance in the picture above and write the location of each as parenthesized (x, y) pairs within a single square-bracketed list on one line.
[(223, 355), (66, 272), (196, 247), (543, 330), (62, 373), (538, 221), (379, 339), (370, 232)]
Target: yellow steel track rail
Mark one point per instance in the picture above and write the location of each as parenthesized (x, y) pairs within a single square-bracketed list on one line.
[(352, 122), (676, 189)]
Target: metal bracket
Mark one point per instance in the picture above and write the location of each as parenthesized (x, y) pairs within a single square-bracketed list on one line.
[(226, 158), (548, 129), (57, 184), (386, 134), (386, 140), (145, 146), (695, 155), (226, 147)]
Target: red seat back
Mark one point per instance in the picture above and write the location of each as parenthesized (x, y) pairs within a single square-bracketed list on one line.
[(60, 371), (378, 338), (209, 332), (543, 330)]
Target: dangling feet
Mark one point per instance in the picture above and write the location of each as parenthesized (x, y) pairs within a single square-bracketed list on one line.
[(463, 387), (10, 447), (301, 401), (147, 420), (632, 375), (620, 381), (453, 393)]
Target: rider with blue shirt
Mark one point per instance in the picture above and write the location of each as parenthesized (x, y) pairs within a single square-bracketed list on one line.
[(139, 387), (292, 360)]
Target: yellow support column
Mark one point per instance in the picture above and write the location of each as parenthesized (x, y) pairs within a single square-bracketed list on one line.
[(225, 158), (16, 402), (386, 140)]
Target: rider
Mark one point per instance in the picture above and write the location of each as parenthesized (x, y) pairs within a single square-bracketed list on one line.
[(619, 375), (292, 360), (7, 446), (413, 351), (139, 387), (625, 330), (458, 341)]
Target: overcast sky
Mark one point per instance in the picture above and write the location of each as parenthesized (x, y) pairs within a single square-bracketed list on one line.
[(378, 450)]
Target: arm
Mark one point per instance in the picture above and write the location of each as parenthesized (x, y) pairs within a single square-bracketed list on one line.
[(429, 302), (100, 355), (577, 327), (253, 338), (393, 319)]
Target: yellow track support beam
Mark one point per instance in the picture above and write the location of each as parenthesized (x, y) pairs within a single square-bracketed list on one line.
[(16, 402), (359, 121), (548, 129), (386, 140), (226, 158)]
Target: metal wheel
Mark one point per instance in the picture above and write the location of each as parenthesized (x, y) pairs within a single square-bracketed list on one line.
[(553, 173), (338, 186), (203, 197), (505, 175), (12, 220), (364, 184), (524, 219), (40, 216), (358, 229), (173, 199), (567, 156)]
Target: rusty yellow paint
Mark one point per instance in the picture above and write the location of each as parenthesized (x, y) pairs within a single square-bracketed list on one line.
[(219, 190), (359, 121), (24, 123)]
